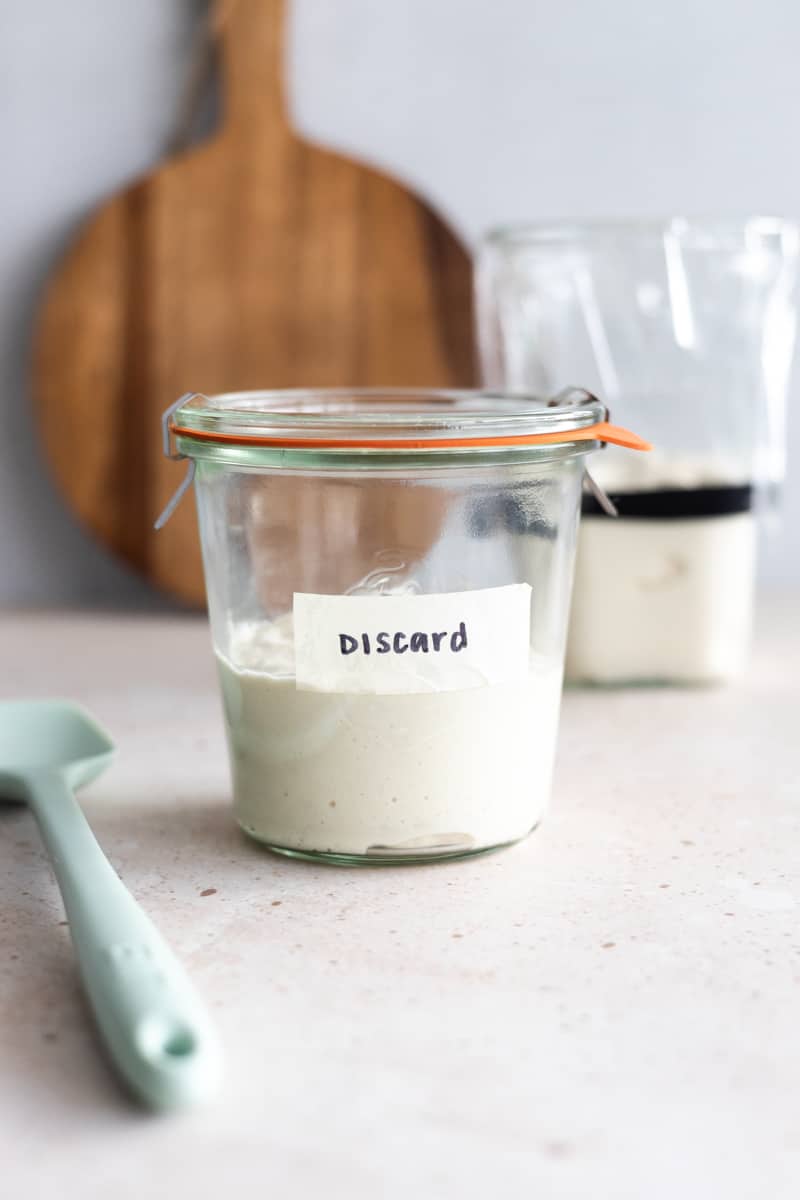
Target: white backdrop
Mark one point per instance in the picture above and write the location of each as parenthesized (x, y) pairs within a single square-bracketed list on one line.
[(506, 110)]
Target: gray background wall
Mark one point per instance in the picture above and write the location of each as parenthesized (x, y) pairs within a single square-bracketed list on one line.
[(497, 110)]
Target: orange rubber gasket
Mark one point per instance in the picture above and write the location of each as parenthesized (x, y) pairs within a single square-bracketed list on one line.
[(602, 431)]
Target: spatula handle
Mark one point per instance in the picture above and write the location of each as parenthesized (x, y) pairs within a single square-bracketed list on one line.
[(150, 1017)]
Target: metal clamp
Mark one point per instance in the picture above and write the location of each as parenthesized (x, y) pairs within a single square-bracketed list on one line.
[(576, 395), (570, 396), (175, 456), (166, 430)]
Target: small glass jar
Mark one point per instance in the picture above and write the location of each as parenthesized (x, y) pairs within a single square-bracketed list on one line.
[(388, 579), (686, 328)]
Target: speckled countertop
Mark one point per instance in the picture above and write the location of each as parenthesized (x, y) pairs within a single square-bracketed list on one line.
[(611, 1010)]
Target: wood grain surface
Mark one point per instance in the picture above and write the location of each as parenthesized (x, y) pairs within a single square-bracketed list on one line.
[(255, 261)]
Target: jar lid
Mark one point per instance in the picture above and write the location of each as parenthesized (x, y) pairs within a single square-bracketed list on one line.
[(390, 420)]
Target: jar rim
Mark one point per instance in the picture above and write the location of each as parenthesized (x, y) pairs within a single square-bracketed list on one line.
[(389, 418)]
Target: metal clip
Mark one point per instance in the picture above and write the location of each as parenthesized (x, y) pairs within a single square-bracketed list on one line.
[(570, 396), (606, 503), (576, 395), (178, 495), (165, 425), (166, 441)]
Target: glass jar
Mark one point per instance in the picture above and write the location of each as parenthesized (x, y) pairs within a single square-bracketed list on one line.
[(390, 659), (686, 329)]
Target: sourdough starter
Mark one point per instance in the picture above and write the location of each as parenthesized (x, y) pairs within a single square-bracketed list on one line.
[(667, 594), (389, 775)]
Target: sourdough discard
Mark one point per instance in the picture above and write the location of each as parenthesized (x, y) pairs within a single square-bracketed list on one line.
[(374, 775)]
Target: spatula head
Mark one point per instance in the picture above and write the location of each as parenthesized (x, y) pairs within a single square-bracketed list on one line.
[(48, 735)]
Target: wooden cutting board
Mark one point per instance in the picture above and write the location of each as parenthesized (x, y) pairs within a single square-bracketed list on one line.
[(256, 261)]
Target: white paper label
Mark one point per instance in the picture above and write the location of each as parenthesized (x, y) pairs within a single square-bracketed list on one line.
[(410, 643)]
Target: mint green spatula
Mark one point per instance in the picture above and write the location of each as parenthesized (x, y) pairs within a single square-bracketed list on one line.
[(153, 1024)]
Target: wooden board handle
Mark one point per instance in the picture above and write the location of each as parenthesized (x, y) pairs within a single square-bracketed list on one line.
[(251, 36)]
